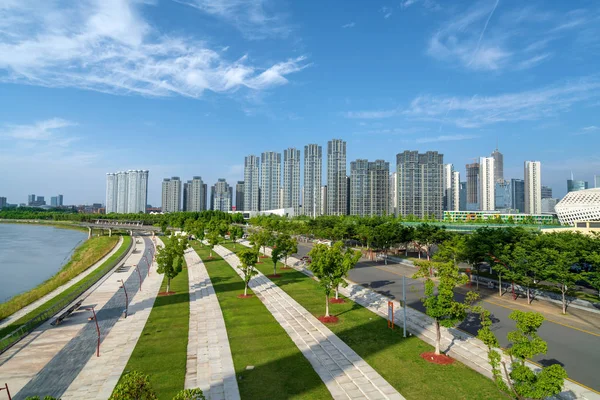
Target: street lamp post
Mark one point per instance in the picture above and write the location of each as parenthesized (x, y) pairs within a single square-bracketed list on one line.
[(139, 275), (147, 263), (126, 297), (7, 391), (97, 329)]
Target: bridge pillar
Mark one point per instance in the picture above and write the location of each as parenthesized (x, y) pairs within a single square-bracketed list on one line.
[(89, 232), (109, 232), (131, 233)]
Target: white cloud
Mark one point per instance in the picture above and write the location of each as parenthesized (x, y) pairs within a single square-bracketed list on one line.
[(42, 130), (445, 138), (349, 25), (587, 130), (386, 11), (427, 4), (254, 18), (106, 46), (374, 114)]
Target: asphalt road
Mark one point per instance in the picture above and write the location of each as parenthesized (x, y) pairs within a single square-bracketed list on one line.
[(578, 352)]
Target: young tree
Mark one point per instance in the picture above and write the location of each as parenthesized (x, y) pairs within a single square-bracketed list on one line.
[(441, 306), (235, 233), (276, 256), (197, 230), (453, 249), (286, 246), (170, 258), (426, 236), (261, 239), (330, 265), (213, 240), (523, 382), (248, 260)]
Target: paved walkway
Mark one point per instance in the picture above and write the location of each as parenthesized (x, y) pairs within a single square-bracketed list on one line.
[(25, 310), (101, 374), (209, 362), (458, 344), (345, 373), (47, 361)]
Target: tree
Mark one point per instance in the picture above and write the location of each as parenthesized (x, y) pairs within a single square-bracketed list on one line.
[(330, 265), (170, 257), (213, 240), (453, 249), (441, 306), (276, 256), (426, 236), (134, 385), (248, 260), (164, 225), (235, 233), (261, 238), (593, 276), (286, 246), (190, 394), (197, 230), (523, 382)]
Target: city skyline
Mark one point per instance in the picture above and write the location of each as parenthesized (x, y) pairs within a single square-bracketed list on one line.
[(460, 79)]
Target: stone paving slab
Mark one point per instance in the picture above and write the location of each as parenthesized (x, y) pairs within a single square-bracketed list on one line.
[(209, 362), (30, 307), (100, 375), (345, 373), (39, 359), (460, 345)]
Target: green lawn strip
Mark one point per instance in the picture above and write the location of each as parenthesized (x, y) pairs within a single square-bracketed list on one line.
[(397, 359), (93, 275), (280, 370), (161, 350), (85, 255)]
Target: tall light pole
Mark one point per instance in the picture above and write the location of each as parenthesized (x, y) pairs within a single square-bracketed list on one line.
[(97, 329), (7, 391), (126, 297), (139, 276)]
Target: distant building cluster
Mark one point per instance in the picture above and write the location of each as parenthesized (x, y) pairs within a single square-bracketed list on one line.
[(127, 192)]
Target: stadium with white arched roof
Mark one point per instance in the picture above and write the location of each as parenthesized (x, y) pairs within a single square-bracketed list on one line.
[(582, 205)]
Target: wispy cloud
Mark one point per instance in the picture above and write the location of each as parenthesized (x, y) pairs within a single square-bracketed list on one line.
[(386, 11), (42, 130), (494, 36), (477, 111), (349, 25), (256, 19), (587, 130), (428, 4), (107, 46), (445, 138)]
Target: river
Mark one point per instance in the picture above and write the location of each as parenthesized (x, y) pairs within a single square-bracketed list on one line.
[(30, 254)]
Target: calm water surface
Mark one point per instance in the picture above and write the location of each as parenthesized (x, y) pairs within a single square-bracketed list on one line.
[(30, 254)]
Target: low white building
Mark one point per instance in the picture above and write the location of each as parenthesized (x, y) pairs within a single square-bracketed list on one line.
[(581, 205)]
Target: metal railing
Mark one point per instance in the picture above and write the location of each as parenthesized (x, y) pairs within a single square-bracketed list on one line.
[(12, 338)]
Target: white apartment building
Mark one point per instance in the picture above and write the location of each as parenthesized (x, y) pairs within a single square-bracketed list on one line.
[(337, 182), (251, 183), (533, 187), (171, 194), (487, 184), (270, 180), (291, 179), (313, 172), (455, 191), (127, 192)]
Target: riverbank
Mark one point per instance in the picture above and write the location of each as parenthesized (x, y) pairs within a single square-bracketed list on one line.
[(84, 256), (55, 224)]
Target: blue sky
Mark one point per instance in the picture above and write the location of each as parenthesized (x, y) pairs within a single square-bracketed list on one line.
[(189, 87)]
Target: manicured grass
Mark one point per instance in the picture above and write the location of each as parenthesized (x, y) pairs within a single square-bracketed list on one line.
[(87, 254), (161, 350), (280, 370), (93, 275), (397, 359)]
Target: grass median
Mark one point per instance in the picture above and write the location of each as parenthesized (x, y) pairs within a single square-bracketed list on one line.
[(397, 359), (256, 339), (85, 255), (161, 351), (67, 292)]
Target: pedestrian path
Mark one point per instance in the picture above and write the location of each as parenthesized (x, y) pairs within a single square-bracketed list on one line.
[(209, 362), (47, 361), (345, 373), (458, 344), (30, 307), (100, 375)]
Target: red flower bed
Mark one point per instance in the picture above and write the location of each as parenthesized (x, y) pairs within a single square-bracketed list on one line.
[(328, 320), (244, 296), (166, 293), (336, 301), (441, 359), (274, 276)]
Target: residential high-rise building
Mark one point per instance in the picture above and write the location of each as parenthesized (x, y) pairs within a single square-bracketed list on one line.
[(3, 202), (503, 195), (462, 202), (337, 180), (313, 179), (60, 199), (487, 197), (369, 187), (186, 199), (420, 183), (223, 195), (239, 196), (393, 193), (251, 183), (31, 199), (54, 201), (291, 179), (472, 186), (171, 194), (533, 187), (498, 165), (126, 192), (546, 192), (517, 192), (270, 180), (455, 192), (324, 200), (575, 185), (196, 195), (596, 181)]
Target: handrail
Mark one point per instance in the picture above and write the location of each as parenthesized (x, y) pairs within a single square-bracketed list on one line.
[(12, 338)]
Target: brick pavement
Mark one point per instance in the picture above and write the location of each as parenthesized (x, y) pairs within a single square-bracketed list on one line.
[(345, 373), (209, 363)]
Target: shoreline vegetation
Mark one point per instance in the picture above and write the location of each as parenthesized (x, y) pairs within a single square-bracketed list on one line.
[(84, 256), (54, 224)]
